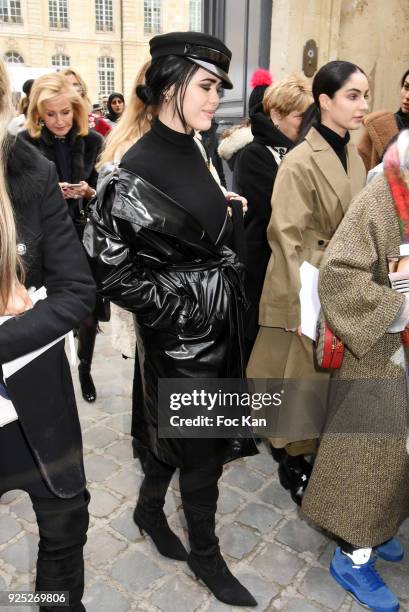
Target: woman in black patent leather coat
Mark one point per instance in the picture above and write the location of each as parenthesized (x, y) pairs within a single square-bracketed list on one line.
[(185, 290), (158, 238)]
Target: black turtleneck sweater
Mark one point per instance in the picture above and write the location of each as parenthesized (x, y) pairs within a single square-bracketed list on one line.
[(336, 142), (172, 162)]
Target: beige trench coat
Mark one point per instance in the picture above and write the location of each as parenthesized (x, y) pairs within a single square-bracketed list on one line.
[(359, 488), (311, 194)]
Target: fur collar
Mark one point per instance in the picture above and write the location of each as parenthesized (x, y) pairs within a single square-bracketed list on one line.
[(237, 140)]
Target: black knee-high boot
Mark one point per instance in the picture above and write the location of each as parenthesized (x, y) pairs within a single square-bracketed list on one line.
[(148, 514), (199, 491), (63, 525), (86, 341)]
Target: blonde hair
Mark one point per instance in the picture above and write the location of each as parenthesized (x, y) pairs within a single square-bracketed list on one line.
[(134, 123), (50, 86), (293, 93), (78, 77), (11, 267)]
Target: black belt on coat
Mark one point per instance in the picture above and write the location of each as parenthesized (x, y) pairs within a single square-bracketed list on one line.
[(231, 273)]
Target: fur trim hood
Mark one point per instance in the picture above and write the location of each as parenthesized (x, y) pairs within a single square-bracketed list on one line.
[(236, 140)]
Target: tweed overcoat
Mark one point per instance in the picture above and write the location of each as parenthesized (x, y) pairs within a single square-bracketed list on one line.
[(360, 482), (311, 194)]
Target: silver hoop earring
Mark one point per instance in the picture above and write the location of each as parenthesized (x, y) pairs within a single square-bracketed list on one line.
[(277, 126)]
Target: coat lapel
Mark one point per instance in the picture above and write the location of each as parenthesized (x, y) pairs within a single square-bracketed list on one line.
[(356, 173), (141, 203), (331, 167)]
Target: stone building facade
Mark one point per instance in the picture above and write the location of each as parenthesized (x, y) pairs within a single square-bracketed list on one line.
[(105, 40), (370, 33)]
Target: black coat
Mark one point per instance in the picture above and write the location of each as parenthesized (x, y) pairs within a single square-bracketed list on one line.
[(153, 258), (85, 151), (256, 170), (42, 391)]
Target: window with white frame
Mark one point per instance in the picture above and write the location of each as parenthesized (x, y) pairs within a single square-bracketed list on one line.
[(104, 19), (106, 76), (12, 57), (151, 16), (195, 15), (58, 14), (10, 11), (59, 60)]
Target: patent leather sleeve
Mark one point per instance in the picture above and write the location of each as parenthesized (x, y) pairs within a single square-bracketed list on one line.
[(121, 276)]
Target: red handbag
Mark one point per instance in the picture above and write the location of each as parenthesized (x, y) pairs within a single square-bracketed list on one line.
[(329, 349)]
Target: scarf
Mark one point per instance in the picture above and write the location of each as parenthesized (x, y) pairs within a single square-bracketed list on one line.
[(397, 179)]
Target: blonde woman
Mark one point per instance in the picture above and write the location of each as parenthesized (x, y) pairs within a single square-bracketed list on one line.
[(134, 123), (94, 121), (275, 122), (40, 443), (57, 125)]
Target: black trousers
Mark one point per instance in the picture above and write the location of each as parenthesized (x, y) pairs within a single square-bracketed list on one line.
[(199, 491), (62, 523)]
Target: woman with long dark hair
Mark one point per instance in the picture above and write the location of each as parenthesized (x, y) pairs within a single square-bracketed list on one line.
[(40, 445), (57, 125), (315, 184), (159, 235)]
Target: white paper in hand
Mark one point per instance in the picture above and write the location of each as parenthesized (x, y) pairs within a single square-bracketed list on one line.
[(11, 367), (7, 410), (309, 300)]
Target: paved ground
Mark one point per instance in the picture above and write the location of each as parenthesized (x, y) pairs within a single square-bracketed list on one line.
[(278, 556)]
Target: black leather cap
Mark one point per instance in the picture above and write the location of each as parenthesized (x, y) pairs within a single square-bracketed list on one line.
[(207, 51)]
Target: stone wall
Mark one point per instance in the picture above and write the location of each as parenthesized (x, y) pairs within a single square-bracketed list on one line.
[(37, 43), (371, 33)]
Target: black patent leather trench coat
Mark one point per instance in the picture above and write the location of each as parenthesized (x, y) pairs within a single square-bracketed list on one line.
[(153, 258)]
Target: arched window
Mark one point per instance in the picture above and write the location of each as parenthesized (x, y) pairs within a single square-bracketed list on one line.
[(195, 15), (60, 60), (104, 21), (58, 14), (12, 57), (151, 16), (106, 76), (10, 11)]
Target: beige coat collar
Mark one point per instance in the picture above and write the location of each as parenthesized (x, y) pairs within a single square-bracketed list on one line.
[(344, 184)]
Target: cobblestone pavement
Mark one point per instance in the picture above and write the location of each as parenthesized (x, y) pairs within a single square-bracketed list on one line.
[(277, 555)]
